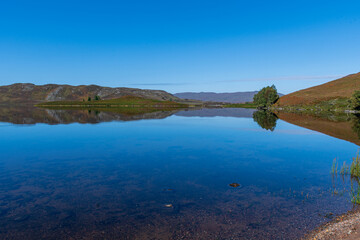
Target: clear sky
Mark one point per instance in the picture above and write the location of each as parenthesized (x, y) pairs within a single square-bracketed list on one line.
[(187, 45)]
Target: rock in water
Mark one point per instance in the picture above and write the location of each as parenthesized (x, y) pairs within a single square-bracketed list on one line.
[(234, 185)]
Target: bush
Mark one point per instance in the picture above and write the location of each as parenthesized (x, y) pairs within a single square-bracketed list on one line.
[(355, 100), (266, 97)]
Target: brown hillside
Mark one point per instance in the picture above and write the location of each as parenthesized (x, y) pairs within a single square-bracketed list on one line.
[(30, 93), (340, 88)]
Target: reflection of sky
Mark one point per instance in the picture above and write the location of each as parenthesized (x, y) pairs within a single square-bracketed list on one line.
[(237, 135), (198, 157)]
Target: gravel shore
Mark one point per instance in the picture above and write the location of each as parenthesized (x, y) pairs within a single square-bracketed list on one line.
[(345, 227)]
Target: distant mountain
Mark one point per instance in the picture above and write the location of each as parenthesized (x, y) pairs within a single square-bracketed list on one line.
[(235, 97), (342, 88), (30, 93)]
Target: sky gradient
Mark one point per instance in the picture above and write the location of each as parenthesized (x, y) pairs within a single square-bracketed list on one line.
[(219, 46)]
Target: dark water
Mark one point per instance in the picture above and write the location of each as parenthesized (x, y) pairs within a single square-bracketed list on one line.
[(165, 177)]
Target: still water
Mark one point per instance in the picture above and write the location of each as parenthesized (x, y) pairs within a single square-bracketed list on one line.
[(86, 175)]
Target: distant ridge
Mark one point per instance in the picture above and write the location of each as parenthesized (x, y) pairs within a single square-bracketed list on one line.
[(31, 93), (337, 89), (235, 97)]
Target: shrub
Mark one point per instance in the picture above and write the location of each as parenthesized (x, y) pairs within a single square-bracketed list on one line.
[(355, 100), (266, 96)]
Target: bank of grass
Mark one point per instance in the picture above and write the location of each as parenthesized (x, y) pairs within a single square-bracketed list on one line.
[(240, 105), (338, 105), (123, 102)]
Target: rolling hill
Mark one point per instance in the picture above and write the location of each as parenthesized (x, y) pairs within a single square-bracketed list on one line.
[(30, 93), (342, 88)]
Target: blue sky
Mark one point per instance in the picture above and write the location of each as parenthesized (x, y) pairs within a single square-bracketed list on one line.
[(220, 46)]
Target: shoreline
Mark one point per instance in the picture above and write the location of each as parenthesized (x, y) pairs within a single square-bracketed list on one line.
[(312, 110), (345, 226)]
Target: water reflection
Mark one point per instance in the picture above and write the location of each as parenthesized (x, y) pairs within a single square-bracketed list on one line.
[(341, 126), (218, 112), (189, 176), (33, 115), (265, 119), (356, 124)]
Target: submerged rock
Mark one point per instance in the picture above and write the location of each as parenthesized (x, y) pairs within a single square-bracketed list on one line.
[(235, 185)]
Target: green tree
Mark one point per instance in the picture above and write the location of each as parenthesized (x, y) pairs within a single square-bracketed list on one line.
[(97, 98), (355, 100), (89, 99), (266, 97)]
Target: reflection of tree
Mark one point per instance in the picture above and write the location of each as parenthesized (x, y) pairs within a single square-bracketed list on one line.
[(265, 119), (356, 125)]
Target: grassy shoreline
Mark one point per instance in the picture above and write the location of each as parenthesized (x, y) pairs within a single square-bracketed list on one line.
[(339, 105), (240, 105), (123, 102)]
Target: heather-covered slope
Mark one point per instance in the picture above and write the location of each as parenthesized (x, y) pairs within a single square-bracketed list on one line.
[(338, 89), (30, 93)]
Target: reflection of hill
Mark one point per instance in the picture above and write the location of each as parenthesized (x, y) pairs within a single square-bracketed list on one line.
[(31, 115), (218, 112), (339, 129)]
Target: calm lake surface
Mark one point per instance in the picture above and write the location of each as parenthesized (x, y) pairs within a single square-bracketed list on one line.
[(96, 175)]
